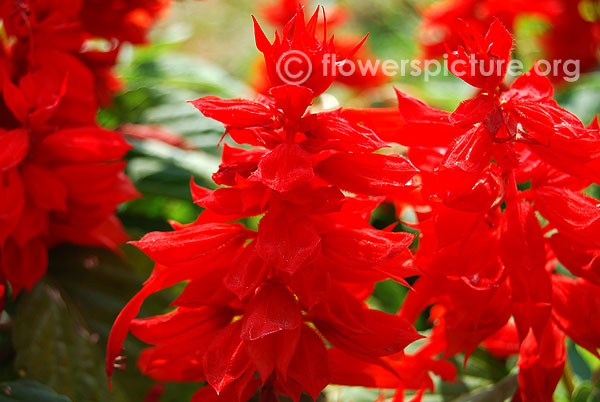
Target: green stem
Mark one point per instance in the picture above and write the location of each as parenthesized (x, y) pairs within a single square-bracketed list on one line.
[(567, 379)]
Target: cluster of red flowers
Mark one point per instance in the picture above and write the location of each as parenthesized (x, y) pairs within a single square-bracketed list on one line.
[(282, 309), (60, 175), (490, 264), (573, 34), (265, 301)]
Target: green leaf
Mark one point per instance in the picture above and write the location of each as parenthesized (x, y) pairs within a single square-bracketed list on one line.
[(53, 347), (390, 295), (592, 361), (24, 390), (100, 283), (578, 364), (482, 364), (586, 392)]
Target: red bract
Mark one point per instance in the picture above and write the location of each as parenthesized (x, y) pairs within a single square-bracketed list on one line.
[(488, 262), (265, 301), (61, 175)]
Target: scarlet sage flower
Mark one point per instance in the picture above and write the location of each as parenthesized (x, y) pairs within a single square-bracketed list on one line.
[(69, 26), (573, 31), (259, 305), (61, 175), (489, 263), (442, 21)]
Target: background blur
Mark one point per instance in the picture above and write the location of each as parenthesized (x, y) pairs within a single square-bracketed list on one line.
[(207, 48)]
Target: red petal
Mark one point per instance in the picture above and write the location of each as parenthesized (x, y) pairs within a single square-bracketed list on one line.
[(12, 201), (24, 265), (573, 213), (181, 325), (286, 241), (83, 145), (524, 255), (226, 358), (273, 351), (541, 364), (385, 122), (580, 260), (369, 174), (293, 100), (576, 309), (284, 168), (45, 188), (364, 248), (247, 272), (330, 131), (271, 310), (310, 284), (238, 113), (192, 243), (14, 145), (471, 152), (309, 366)]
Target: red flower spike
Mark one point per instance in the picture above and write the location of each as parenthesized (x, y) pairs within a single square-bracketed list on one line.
[(469, 153), (383, 121), (411, 371), (206, 290), (180, 325), (262, 286), (365, 248), (481, 243), (310, 284), (62, 171)]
